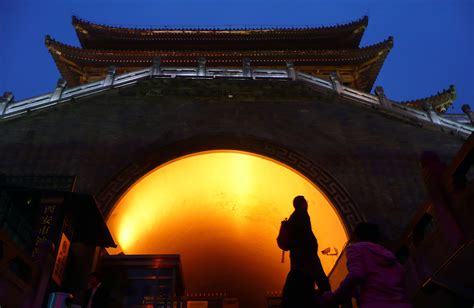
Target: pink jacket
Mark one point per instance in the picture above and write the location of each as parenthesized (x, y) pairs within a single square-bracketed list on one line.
[(379, 275)]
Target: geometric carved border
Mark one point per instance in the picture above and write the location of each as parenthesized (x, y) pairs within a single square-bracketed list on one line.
[(161, 154)]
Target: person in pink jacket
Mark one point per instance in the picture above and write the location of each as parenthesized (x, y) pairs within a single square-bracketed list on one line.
[(375, 270)]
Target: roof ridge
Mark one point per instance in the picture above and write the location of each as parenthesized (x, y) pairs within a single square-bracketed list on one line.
[(363, 21)]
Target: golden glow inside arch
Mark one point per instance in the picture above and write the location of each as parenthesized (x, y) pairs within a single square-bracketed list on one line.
[(221, 211)]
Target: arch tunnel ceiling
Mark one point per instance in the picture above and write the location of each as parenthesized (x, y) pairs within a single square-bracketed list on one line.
[(221, 211)]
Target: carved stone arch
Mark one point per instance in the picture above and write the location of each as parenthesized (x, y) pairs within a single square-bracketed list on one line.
[(163, 153)]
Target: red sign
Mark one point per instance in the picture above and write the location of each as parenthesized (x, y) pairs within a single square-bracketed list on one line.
[(61, 258)]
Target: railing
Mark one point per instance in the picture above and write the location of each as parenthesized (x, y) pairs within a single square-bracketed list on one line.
[(379, 100), (460, 118), (455, 124)]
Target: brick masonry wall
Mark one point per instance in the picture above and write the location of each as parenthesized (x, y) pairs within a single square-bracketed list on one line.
[(372, 156)]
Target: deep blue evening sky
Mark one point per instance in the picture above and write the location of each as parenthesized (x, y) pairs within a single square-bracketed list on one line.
[(434, 39)]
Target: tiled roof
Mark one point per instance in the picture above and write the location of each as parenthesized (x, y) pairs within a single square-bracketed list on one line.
[(70, 60), (92, 35)]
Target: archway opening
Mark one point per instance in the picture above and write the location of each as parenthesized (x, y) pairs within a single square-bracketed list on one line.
[(221, 212)]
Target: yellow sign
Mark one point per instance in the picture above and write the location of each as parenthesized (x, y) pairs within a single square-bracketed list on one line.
[(61, 258)]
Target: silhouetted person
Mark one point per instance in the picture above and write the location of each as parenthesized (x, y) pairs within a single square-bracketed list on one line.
[(96, 296), (375, 270), (306, 270)]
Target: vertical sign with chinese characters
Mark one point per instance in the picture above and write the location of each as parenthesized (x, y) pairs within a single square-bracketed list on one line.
[(61, 258), (50, 221)]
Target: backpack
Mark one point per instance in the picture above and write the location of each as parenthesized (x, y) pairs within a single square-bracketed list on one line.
[(284, 236)]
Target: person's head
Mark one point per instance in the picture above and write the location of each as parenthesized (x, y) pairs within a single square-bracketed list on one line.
[(300, 203), (94, 279), (366, 232)]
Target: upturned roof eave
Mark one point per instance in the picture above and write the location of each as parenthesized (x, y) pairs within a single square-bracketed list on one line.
[(440, 100), (364, 52), (89, 33), (103, 58), (372, 74)]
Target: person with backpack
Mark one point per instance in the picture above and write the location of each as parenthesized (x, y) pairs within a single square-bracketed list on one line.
[(296, 235), (374, 270)]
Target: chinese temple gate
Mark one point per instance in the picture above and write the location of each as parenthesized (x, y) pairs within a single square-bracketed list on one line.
[(194, 141), (318, 51)]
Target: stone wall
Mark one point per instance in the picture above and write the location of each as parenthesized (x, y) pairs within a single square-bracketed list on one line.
[(368, 158)]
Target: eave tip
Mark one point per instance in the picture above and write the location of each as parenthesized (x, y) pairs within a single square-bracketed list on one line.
[(365, 20)]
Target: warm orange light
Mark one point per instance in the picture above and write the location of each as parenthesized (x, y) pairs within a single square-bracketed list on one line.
[(221, 211)]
